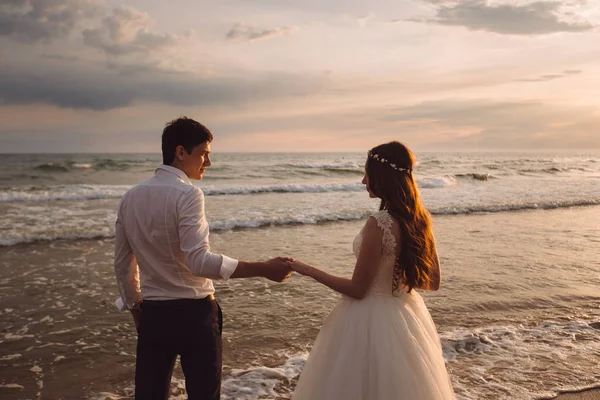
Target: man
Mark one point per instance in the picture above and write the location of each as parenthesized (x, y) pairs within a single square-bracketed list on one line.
[(162, 242)]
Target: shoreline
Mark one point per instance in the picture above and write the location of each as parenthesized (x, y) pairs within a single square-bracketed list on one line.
[(217, 231)]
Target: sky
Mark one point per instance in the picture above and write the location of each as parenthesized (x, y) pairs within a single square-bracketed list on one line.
[(300, 75)]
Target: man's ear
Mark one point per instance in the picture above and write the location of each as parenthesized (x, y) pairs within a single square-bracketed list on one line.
[(179, 150)]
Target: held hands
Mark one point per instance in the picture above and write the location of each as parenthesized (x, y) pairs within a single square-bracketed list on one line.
[(278, 269)]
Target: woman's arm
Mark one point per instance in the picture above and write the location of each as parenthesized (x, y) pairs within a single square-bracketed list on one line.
[(364, 271)]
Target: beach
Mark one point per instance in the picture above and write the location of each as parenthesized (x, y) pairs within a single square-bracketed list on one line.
[(517, 312)]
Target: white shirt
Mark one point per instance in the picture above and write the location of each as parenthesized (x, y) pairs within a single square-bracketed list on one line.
[(161, 243)]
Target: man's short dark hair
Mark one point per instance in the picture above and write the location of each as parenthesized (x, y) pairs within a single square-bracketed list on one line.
[(184, 132)]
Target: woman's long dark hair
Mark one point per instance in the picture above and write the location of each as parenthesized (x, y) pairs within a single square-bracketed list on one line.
[(400, 197)]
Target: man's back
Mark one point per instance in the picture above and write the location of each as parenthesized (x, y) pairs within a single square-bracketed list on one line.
[(161, 221)]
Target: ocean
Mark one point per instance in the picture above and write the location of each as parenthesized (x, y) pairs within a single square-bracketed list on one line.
[(518, 234)]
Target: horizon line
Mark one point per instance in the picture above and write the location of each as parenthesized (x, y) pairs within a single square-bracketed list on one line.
[(467, 150)]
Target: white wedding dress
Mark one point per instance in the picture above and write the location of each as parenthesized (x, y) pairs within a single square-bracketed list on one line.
[(382, 347)]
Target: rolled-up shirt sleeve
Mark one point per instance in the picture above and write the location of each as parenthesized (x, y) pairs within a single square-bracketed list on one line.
[(126, 268), (193, 237)]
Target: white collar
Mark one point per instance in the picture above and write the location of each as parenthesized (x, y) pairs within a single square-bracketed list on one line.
[(175, 171)]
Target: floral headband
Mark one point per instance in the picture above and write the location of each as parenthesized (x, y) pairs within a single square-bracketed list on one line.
[(382, 160)]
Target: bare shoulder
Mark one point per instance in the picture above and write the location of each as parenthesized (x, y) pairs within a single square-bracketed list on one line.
[(371, 239), (372, 230), (372, 224)]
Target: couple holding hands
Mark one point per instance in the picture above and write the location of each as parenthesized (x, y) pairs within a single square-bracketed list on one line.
[(378, 343)]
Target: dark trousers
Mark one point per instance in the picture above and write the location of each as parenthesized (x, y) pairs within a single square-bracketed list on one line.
[(188, 328)]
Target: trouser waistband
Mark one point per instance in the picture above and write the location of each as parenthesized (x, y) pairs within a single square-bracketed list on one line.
[(176, 302)]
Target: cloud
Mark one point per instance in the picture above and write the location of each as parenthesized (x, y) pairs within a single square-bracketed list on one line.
[(125, 35), (362, 21), (32, 21), (443, 124), (60, 57), (145, 66), (101, 89), (550, 77), (496, 124), (435, 125), (127, 31), (537, 18), (240, 31)]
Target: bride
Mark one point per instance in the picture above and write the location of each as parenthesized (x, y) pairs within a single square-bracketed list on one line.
[(379, 342)]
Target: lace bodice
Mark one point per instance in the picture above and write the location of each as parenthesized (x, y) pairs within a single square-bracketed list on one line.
[(382, 284)]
